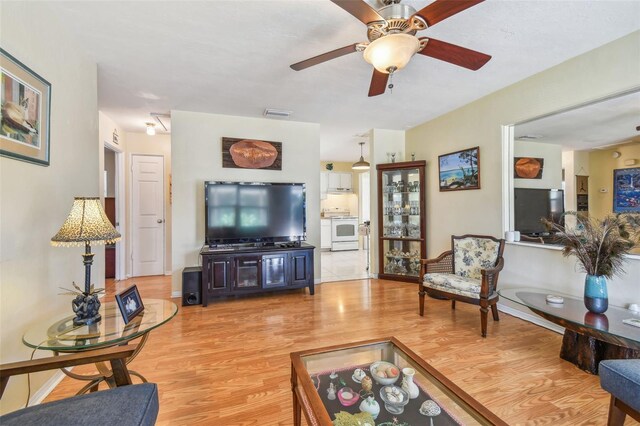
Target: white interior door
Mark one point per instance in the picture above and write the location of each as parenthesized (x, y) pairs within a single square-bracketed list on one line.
[(147, 202)]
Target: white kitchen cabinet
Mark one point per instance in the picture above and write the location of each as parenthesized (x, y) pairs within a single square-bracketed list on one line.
[(339, 182), (325, 233)]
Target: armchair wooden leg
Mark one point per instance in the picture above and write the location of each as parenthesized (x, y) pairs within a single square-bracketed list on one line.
[(483, 320), (494, 312), (421, 298), (453, 304), (616, 415)]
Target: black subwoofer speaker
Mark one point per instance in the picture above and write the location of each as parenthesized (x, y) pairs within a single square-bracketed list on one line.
[(191, 280)]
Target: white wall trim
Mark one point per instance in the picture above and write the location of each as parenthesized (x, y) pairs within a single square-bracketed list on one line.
[(176, 293), (167, 272), (507, 177), (535, 319), (48, 386)]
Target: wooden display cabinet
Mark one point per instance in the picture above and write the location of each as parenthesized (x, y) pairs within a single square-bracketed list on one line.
[(401, 220)]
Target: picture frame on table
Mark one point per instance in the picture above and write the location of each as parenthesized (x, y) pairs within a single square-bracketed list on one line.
[(130, 303), (626, 190), (459, 170), (25, 102)]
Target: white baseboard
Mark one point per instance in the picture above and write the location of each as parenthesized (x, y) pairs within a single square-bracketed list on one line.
[(535, 319), (39, 395), (317, 281), (168, 273), (177, 293)]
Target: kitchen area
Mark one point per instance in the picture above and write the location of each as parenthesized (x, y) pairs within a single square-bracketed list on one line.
[(344, 204)]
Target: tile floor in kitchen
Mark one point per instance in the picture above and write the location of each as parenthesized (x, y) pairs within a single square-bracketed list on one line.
[(343, 265)]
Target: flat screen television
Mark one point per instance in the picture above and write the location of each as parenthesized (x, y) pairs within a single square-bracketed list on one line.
[(530, 205), (253, 212)]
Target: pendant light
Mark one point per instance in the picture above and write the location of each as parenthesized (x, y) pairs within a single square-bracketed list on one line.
[(360, 164)]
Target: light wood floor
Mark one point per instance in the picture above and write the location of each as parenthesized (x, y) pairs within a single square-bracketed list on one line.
[(228, 364)]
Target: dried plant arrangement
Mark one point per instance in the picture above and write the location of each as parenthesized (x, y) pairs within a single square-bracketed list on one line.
[(598, 244)]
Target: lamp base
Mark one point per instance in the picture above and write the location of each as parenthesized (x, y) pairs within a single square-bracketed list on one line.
[(86, 307), (87, 321)]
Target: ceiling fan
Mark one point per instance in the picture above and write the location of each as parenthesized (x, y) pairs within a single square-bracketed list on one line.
[(392, 41)]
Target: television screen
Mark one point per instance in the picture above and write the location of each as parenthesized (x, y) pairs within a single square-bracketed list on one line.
[(244, 212), (530, 205)]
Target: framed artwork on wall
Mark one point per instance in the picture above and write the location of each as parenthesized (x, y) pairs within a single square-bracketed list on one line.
[(251, 154), (459, 170), (626, 190), (25, 100), (527, 167)]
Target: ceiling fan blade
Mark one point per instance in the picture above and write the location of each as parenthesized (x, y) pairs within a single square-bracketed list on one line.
[(454, 54), (360, 10), (324, 57), (378, 83), (440, 10)]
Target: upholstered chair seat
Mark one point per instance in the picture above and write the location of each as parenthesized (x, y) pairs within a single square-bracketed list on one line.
[(468, 273)]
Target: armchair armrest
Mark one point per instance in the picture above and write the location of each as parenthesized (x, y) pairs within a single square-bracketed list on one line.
[(116, 356), (442, 264), (490, 278)]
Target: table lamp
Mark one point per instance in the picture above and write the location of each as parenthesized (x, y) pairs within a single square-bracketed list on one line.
[(87, 223)]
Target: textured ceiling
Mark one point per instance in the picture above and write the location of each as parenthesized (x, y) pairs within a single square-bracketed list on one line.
[(600, 124), (233, 57)]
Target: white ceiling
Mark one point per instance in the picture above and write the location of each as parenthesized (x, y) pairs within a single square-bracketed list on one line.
[(597, 125), (233, 56)]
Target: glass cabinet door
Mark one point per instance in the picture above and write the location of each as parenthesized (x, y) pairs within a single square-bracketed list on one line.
[(248, 272), (401, 198), (274, 270)]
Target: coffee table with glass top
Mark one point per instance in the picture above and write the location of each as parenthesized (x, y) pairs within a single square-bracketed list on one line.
[(588, 337), (438, 402), (61, 336)]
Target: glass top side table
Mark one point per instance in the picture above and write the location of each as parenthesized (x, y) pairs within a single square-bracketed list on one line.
[(61, 336), (435, 399)]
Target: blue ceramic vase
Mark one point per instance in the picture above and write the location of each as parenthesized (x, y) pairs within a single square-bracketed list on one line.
[(595, 293)]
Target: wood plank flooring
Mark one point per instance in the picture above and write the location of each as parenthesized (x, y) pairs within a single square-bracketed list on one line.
[(228, 364)]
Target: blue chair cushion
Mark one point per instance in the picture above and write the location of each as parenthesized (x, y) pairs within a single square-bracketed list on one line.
[(131, 405), (621, 378)]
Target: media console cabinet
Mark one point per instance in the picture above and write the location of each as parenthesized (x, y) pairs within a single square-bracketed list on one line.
[(232, 271)]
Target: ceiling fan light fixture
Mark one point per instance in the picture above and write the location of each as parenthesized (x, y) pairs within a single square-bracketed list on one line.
[(151, 129), (391, 52), (361, 164)]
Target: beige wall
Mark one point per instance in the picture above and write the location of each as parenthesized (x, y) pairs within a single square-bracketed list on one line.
[(143, 144), (197, 157), (552, 166), (609, 69), (382, 141), (35, 200), (601, 164)]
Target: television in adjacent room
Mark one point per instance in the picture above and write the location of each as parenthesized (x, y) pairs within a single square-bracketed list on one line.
[(530, 205), (254, 212)]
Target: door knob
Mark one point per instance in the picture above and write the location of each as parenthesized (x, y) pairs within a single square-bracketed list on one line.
[(159, 221)]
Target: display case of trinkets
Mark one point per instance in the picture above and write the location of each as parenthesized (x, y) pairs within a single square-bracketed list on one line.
[(402, 223)]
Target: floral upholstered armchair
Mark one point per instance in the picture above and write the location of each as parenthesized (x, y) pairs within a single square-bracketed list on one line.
[(468, 273)]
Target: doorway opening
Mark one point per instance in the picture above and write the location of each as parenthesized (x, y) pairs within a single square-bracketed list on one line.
[(113, 175)]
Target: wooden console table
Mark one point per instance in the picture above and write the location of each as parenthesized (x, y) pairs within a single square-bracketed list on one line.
[(244, 270), (588, 338)]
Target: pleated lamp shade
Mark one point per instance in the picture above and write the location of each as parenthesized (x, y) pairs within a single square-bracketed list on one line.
[(87, 223)]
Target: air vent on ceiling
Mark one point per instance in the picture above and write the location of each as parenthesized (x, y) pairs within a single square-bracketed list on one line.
[(529, 137), (277, 113)]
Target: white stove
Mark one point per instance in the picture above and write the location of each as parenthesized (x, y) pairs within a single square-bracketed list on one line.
[(344, 233)]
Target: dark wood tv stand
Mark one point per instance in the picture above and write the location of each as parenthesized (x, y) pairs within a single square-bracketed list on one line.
[(235, 270)]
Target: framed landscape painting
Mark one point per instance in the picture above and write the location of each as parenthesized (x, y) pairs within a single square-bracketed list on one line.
[(626, 190), (25, 100), (459, 170)]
